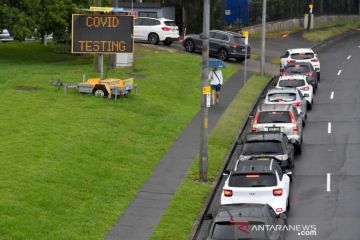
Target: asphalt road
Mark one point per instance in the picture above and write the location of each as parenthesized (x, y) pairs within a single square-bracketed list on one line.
[(326, 188)]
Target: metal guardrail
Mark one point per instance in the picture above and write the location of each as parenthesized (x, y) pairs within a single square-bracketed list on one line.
[(197, 226)]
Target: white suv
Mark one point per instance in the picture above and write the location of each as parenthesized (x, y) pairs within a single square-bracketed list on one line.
[(301, 55), (5, 36), (299, 82), (155, 30), (258, 181)]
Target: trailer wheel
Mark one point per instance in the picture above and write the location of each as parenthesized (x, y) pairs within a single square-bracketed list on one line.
[(100, 92)]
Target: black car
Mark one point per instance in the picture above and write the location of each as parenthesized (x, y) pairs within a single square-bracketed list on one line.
[(302, 68), (223, 44), (269, 144), (246, 221)]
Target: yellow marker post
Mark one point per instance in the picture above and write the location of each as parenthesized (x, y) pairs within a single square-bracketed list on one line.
[(206, 90)]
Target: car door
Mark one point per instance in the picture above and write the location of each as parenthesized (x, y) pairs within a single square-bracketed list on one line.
[(139, 29), (289, 147), (219, 40), (299, 121)]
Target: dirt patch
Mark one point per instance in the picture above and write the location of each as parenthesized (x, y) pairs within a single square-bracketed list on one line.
[(27, 88)]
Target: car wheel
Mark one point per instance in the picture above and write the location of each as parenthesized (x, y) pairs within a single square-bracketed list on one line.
[(100, 92), (303, 123), (167, 42), (189, 46), (153, 38), (288, 206), (222, 54), (309, 106), (298, 149), (318, 76)]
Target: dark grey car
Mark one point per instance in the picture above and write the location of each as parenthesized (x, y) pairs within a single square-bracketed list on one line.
[(223, 44), (302, 68), (246, 221)]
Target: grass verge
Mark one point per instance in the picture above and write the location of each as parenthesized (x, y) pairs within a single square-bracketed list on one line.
[(71, 164), (276, 34), (330, 29), (186, 205)]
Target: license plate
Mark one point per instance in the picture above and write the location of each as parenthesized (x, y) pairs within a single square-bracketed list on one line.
[(274, 129)]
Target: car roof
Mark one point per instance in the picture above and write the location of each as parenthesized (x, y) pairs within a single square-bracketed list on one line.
[(161, 19), (292, 77), (264, 136), (282, 90), (274, 107), (235, 212), (227, 32), (256, 166), (300, 50)]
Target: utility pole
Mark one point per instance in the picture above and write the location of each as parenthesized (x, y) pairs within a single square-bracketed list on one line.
[(203, 163), (263, 35), (112, 59), (98, 58)]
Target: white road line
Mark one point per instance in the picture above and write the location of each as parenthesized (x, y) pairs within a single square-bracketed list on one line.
[(332, 95), (339, 72), (328, 182), (348, 57), (329, 127)]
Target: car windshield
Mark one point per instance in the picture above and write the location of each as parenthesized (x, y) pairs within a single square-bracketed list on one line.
[(252, 180), (170, 23), (262, 147), (274, 117), (282, 97), (292, 83), (302, 56), (239, 230), (297, 69), (239, 40)]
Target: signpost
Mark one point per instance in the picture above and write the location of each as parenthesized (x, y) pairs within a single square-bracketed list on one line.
[(246, 40)]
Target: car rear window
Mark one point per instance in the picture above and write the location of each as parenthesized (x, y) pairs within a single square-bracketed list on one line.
[(292, 83), (170, 23), (239, 40), (263, 147), (274, 117), (302, 56), (233, 230), (296, 69), (252, 180), (285, 97)]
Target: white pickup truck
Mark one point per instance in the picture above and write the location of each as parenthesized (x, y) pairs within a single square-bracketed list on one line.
[(5, 36)]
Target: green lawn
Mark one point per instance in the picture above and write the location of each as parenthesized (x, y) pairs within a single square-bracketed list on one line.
[(177, 221), (71, 164), (330, 29)]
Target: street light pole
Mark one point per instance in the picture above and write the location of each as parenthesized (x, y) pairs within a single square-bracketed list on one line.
[(263, 32), (203, 161)]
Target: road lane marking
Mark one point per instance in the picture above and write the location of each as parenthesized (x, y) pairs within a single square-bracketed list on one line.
[(339, 72), (348, 57), (329, 127), (328, 182), (332, 95)]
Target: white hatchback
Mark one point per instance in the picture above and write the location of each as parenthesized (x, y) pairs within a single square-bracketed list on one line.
[(155, 30), (299, 82), (258, 181), (301, 55)]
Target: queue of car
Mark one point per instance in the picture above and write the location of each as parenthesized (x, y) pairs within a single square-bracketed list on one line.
[(257, 191)]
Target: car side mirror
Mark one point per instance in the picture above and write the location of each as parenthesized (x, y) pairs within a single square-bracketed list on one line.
[(251, 115), (306, 95), (208, 216), (293, 141), (283, 216), (226, 173)]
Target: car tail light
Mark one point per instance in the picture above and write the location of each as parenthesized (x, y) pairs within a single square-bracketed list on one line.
[(256, 119), (291, 61), (228, 193), (237, 222), (235, 46), (277, 192), (293, 121), (279, 210), (165, 29), (306, 88), (297, 104), (252, 176), (314, 60), (309, 74), (285, 74)]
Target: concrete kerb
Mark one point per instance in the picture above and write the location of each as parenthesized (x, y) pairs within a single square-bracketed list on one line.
[(206, 204)]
